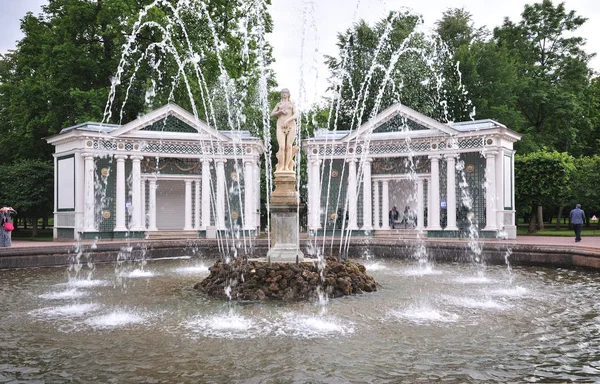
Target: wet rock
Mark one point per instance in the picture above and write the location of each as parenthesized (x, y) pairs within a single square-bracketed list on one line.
[(250, 280)]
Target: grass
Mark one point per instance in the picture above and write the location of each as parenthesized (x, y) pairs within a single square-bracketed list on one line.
[(25, 234)]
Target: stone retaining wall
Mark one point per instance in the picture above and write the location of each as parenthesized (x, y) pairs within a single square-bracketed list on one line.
[(493, 252)]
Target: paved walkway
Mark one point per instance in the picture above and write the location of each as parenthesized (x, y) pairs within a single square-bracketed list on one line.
[(586, 242)]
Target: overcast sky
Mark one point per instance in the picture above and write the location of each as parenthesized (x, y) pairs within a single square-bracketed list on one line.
[(305, 30)]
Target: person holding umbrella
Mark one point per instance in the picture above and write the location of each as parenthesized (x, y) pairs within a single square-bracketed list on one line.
[(6, 226)]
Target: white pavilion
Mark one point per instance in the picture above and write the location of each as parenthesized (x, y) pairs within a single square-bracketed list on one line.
[(168, 171), (450, 178), (165, 171)]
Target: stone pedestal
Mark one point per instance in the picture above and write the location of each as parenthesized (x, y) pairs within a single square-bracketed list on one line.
[(285, 238)]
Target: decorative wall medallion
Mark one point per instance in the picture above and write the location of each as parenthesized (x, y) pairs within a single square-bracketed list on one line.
[(136, 147), (234, 176), (489, 141), (121, 146), (89, 143), (248, 150), (315, 151), (469, 168), (350, 150), (105, 172), (106, 214), (235, 215), (334, 173), (434, 146)]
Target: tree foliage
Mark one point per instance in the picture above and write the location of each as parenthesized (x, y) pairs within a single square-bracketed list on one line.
[(553, 73), (27, 187), (543, 178), (389, 62), (141, 53)]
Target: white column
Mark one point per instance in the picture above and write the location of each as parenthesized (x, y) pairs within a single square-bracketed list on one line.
[(367, 196), (220, 215), (257, 191), (152, 205), (500, 190), (187, 221), (79, 197), (120, 194), (316, 188), (376, 224), (385, 205), (248, 195), (89, 198), (490, 190), (451, 192), (434, 208), (420, 204), (352, 193), (136, 194), (312, 203), (197, 203), (143, 199), (205, 193)]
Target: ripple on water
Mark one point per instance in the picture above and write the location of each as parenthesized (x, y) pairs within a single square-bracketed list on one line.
[(62, 295), (473, 280), (424, 315), (468, 302), (313, 326), (192, 270), (138, 273), (424, 270), (377, 266), (115, 319), (517, 291), (87, 283), (73, 310), (229, 326)]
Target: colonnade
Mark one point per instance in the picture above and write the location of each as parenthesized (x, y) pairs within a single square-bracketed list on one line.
[(376, 187), (197, 193)]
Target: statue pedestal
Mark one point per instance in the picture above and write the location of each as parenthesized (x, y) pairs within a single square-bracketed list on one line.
[(285, 238)]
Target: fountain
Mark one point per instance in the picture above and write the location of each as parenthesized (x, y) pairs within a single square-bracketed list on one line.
[(432, 319), (274, 277)]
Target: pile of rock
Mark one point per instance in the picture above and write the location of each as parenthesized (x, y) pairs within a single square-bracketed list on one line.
[(252, 280)]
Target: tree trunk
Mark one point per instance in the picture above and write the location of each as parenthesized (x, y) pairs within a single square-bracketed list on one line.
[(540, 217), (560, 211), (34, 227), (532, 220)]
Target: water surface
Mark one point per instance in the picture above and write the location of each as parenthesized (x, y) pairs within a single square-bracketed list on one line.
[(446, 322)]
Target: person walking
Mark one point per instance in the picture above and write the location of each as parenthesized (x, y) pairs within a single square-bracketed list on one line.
[(577, 216)]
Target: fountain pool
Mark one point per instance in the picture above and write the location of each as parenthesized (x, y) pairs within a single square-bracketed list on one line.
[(448, 322)]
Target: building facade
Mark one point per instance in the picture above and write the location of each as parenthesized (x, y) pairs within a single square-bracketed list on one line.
[(445, 179), (165, 171)]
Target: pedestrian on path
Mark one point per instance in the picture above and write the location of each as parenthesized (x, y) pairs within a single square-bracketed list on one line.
[(577, 216)]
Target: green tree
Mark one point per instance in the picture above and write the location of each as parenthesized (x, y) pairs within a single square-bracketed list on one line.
[(27, 187), (542, 178), (553, 73), (64, 69), (389, 62), (483, 75)]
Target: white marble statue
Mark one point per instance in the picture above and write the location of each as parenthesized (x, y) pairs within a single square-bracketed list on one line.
[(286, 114)]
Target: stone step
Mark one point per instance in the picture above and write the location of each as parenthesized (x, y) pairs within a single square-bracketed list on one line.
[(170, 234), (400, 233)]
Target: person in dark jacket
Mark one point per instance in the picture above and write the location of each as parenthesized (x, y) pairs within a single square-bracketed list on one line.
[(577, 217)]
